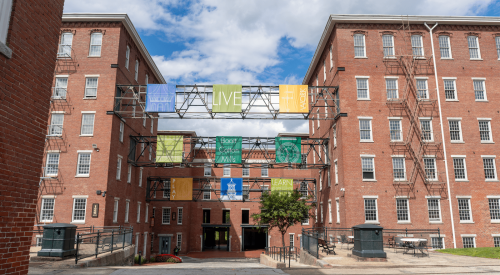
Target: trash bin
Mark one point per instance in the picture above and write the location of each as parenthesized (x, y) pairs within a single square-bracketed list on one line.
[(368, 241), (58, 240)]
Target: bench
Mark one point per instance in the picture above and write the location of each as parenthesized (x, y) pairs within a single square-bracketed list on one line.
[(327, 247)]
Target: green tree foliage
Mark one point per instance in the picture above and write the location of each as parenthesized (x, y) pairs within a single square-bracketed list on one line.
[(281, 210)]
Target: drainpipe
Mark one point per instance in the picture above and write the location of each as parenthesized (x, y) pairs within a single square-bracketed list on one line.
[(442, 134)]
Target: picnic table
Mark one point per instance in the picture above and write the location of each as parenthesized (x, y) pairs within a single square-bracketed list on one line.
[(415, 244)]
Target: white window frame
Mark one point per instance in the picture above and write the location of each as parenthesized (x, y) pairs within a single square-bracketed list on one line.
[(127, 210), (122, 128), (119, 167), (80, 154), (468, 198), (404, 168), (50, 163), (144, 117), (389, 47), (375, 198), (330, 211), (334, 136), (115, 210), (372, 157), (321, 211), (455, 94), (490, 132), (459, 120), (473, 236), (331, 56), (324, 71), (141, 170), (146, 213), (430, 126), (462, 157), (180, 215), (359, 46), (245, 192), (61, 87), (369, 119), (416, 47), (483, 86), (407, 210), (136, 75), (337, 204), (84, 209), (399, 120), (446, 48), (367, 78), (179, 241), (478, 48), (55, 129), (497, 199), (43, 209), (438, 199), (497, 42), (336, 171), (93, 44), (129, 173), (84, 114), (264, 170), (207, 193), (207, 170), (138, 212), (245, 172), (151, 129), (5, 12), (62, 52), (388, 78), (425, 80), (292, 240), (87, 87), (226, 170), (127, 57), (435, 178), (492, 157), (163, 209)]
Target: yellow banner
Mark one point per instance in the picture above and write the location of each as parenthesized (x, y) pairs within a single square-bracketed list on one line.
[(294, 99), (181, 189), (169, 149)]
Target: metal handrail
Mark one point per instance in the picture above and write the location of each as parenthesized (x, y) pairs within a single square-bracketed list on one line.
[(103, 241)]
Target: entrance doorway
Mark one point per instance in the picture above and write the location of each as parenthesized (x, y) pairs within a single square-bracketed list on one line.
[(216, 238), (254, 238), (165, 245)]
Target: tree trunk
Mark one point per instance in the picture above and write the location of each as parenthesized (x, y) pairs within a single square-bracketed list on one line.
[(283, 238)]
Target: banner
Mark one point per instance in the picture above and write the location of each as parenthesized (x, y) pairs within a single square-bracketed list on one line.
[(169, 149), (294, 99), (282, 185), (228, 149), (226, 99), (181, 189), (231, 189), (160, 98), (288, 149)]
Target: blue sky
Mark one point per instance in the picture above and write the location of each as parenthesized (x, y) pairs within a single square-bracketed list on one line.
[(249, 42)]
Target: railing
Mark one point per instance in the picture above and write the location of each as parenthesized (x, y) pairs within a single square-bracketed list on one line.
[(55, 131), (102, 241), (64, 51), (427, 234), (59, 93), (281, 254), (83, 229)]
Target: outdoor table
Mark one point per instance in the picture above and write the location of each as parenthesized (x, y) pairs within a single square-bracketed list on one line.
[(350, 237), (409, 244)]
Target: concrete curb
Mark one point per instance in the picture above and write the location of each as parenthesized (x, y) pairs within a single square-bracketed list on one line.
[(266, 260)]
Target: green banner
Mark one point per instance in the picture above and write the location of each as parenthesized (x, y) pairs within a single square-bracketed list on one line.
[(282, 185), (228, 149), (169, 149), (226, 99), (288, 149)]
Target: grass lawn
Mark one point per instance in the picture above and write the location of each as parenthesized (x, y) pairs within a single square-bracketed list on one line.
[(484, 252)]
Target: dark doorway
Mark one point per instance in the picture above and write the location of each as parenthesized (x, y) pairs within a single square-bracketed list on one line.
[(216, 238), (254, 238)]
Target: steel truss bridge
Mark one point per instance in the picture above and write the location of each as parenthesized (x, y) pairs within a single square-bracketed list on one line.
[(158, 188), (258, 102), (256, 151)]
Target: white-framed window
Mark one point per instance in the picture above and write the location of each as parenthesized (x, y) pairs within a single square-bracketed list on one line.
[(52, 164), (324, 70), (246, 192), (337, 205), (95, 44), (245, 172), (165, 217), (426, 128), (146, 213), (207, 193), (331, 54), (396, 131), (494, 204), (422, 89), (469, 242), (328, 178), (142, 148), (264, 171), (166, 187), (140, 176), (138, 212), (151, 129), (144, 117), (321, 211), (65, 46), (87, 124), (303, 190), (359, 45), (150, 151), (83, 166), (496, 241), (127, 209), (402, 210), (459, 168), (368, 168), (226, 170), (127, 57), (136, 69), (490, 171), (115, 210), (388, 44), (464, 210), (473, 43), (398, 168), (371, 213), (434, 208), (61, 88), (336, 172), (430, 168), (122, 128), (292, 240), (180, 212), (39, 240), (455, 130), (365, 130), (329, 211), (119, 167), (207, 170), (47, 210), (129, 173), (146, 79), (305, 220), (362, 88), (485, 131), (391, 85), (179, 241), (445, 47), (450, 89), (335, 136), (317, 115), (417, 45), (437, 242), (133, 107), (5, 11), (497, 41), (79, 207), (91, 87), (479, 90)]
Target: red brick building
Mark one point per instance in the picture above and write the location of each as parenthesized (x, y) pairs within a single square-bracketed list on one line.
[(26, 65), (418, 147)]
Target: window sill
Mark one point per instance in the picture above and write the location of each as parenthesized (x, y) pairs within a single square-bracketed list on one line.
[(495, 221), (82, 176), (462, 180), (457, 142), (404, 222), (476, 59), (90, 56), (366, 141), (165, 224), (78, 222), (452, 100), (364, 99), (419, 57), (446, 58), (396, 141), (361, 57), (369, 180), (487, 180), (90, 98), (5, 50), (477, 100), (389, 57), (436, 222), (487, 142), (372, 222), (465, 222), (86, 135)]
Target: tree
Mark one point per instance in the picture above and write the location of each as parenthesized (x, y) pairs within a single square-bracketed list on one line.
[(282, 210)]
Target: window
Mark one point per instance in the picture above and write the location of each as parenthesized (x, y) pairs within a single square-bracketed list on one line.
[(292, 238), (133, 107), (226, 215), (129, 173), (91, 87), (459, 168), (207, 170), (368, 168), (434, 210), (490, 172), (469, 242), (305, 220), (494, 208), (365, 130), (426, 128), (264, 172), (362, 86), (391, 85), (474, 51), (47, 211), (122, 126), (334, 136), (398, 168), (179, 241), (324, 70), (140, 176), (371, 210), (479, 90), (321, 209), (83, 167), (142, 148), (146, 213), (207, 192), (464, 211), (119, 168), (115, 211), (303, 190), (331, 55), (95, 44), (150, 151), (337, 204), (450, 90), (484, 131), (127, 208), (402, 210), (206, 215), (65, 46), (39, 240), (497, 39), (246, 192), (395, 129), (127, 56), (437, 243), (246, 172), (146, 80), (166, 189), (336, 172), (52, 165), (444, 46), (138, 212), (227, 170), (165, 217), (79, 205), (330, 211), (496, 241), (417, 45), (388, 45), (455, 130), (245, 216), (180, 215), (430, 168), (144, 120), (136, 69), (422, 89), (61, 88), (152, 126), (5, 10), (265, 189), (359, 45), (87, 124)]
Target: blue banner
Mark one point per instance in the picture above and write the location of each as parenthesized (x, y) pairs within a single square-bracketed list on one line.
[(160, 98), (231, 189)]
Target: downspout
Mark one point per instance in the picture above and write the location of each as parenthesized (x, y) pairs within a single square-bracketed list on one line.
[(442, 134)]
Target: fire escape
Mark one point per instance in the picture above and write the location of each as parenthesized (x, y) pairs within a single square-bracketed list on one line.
[(421, 146)]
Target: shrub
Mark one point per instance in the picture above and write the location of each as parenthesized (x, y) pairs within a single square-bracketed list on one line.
[(152, 259)]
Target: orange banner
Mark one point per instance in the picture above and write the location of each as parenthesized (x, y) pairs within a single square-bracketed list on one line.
[(294, 99), (181, 189)]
